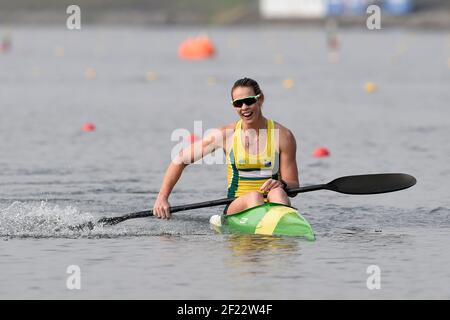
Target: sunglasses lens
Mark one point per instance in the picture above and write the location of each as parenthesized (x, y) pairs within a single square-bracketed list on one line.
[(238, 103), (247, 101)]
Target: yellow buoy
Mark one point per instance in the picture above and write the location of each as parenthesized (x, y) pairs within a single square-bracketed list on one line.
[(370, 87), (59, 51), (90, 73), (151, 76), (212, 81), (288, 83), (36, 71), (279, 59)]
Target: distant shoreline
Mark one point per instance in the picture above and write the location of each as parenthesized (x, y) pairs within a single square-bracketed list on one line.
[(430, 19)]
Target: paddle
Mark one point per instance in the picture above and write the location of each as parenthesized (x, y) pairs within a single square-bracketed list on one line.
[(360, 184)]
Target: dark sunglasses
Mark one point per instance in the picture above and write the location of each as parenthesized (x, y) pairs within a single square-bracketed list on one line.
[(238, 103)]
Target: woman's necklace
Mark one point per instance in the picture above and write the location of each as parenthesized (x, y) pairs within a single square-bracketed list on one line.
[(250, 139)]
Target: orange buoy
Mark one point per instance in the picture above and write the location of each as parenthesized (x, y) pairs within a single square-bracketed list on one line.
[(197, 48), (321, 152), (88, 127)]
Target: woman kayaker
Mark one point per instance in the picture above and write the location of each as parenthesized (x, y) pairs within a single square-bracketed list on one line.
[(260, 154)]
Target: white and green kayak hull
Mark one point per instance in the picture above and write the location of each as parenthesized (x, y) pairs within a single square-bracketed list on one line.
[(266, 219)]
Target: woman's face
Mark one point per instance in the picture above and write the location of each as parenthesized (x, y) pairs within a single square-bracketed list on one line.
[(249, 114)]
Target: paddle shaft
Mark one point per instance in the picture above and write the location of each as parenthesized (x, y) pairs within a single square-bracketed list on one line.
[(205, 204), (148, 213), (360, 184)]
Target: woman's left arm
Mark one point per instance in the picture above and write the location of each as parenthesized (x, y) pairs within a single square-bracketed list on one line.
[(288, 159), (287, 147)]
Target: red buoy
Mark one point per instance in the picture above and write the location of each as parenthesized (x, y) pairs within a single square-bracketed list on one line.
[(321, 152), (88, 127), (192, 138)]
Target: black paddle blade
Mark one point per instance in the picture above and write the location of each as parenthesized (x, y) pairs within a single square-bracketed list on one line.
[(110, 221), (80, 227), (372, 183), (102, 222)]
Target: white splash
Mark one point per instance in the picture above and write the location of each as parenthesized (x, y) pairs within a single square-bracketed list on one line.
[(39, 219)]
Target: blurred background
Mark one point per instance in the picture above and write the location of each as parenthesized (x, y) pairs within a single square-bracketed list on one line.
[(419, 13)]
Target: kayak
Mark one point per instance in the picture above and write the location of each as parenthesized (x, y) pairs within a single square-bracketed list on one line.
[(266, 219)]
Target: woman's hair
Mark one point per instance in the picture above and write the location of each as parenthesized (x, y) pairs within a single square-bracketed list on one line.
[(246, 82)]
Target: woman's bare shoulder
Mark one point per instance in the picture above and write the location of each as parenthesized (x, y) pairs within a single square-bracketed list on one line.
[(230, 125), (285, 134), (227, 135), (228, 129), (284, 131)]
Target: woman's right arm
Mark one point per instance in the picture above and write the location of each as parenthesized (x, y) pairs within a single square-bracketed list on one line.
[(161, 208), (192, 153)]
